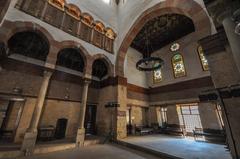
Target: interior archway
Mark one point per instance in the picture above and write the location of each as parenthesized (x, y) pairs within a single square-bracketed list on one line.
[(190, 9), (30, 44), (71, 58), (99, 69)]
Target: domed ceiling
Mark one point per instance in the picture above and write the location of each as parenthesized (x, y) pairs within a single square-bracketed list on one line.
[(162, 31)]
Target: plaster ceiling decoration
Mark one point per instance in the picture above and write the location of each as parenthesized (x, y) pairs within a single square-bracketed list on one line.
[(162, 31)]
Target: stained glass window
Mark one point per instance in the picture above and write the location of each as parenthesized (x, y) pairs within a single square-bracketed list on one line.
[(178, 66), (203, 59), (157, 76)]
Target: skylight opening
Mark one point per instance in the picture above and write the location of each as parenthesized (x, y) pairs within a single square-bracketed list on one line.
[(106, 1)]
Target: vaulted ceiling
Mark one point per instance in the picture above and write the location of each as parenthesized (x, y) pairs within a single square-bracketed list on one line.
[(162, 31)]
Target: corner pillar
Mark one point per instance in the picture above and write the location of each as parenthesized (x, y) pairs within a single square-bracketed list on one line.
[(225, 74), (31, 134), (121, 97), (233, 38), (222, 13)]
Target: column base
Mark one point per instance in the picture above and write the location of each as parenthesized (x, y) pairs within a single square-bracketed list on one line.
[(29, 142), (80, 137)]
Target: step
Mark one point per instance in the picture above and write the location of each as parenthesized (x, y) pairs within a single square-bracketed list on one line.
[(42, 149), (10, 154), (147, 150), (47, 148)]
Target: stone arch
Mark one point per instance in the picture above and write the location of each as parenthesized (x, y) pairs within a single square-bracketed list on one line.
[(72, 44), (32, 44), (106, 60), (189, 8), (9, 28)]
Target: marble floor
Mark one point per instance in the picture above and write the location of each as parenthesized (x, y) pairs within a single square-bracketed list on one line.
[(96, 152), (180, 147)]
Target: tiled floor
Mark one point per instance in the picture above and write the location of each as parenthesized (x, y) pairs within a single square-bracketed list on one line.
[(96, 152), (180, 147)]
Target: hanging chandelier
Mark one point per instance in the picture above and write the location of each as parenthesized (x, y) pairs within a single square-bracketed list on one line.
[(149, 63)]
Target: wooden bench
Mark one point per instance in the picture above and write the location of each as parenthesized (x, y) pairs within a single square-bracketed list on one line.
[(143, 130), (174, 129), (210, 134)]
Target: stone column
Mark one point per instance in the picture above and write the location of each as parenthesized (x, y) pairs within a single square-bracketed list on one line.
[(81, 130), (222, 13), (233, 38), (31, 134), (44, 10)]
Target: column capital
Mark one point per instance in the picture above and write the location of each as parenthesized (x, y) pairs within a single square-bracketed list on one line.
[(221, 9), (87, 76), (48, 73), (87, 81)]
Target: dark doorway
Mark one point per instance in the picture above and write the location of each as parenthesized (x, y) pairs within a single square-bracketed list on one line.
[(90, 120), (61, 128)]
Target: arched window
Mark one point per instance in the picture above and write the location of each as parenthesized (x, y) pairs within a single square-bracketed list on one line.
[(203, 59), (71, 58), (87, 19), (86, 27), (99, 69), (110, 33), (157, 76), (30, 44), (73, 11), (58, 3), (178, 66)]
